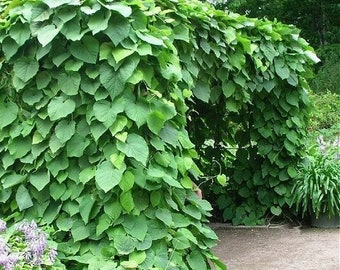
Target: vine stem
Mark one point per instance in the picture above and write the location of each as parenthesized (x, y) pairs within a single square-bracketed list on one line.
[(211, 177)]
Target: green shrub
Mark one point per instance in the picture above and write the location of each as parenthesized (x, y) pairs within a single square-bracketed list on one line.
[(324, 117)]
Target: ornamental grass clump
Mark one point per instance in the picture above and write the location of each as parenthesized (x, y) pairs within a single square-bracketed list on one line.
[(26, 246), (316, 190)]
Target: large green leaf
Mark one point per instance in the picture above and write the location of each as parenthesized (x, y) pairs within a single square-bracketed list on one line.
[(76, 146), (67, 13), (181, 32), (87, 174), (39, 13), (73, 65), (136, 226), (293, 98), (106, 111), (237, 59), (117, 159), (124, 244), (55, 144), (12, 180), (155, 121), (127, 181), (113, 208), (51, 212), (9, 47), (7, 160), (98, 22), (281, 68), (20, 33), (70, 207), (107, 177), (312, 56), (135, 147), (104, 222), (269, 50), (188, 234), (169, 134), (23, 198), (64, 130), (26, 68), (54, 4), (57, 190), (118, 29), (164, 215), (89, 86), (85, 206), (86, 49), (127, 202), (149, 38), (64, 223), (46, 34), (276, 210), (19, 147), (79, 231), (120, 123), (138, 112), (280, 189), (32, 96), (97, 130), (171, 181), (228, 88), (124, 10), (202, 91), (60, 107), (58, 164), (121, 53), (193, 211), (69, 82), (196, 260), (72, 31), (39, 179), (8, 113), (180, 242), (114, 81)]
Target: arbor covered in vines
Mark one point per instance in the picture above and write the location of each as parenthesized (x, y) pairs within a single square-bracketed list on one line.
[(95, 123)]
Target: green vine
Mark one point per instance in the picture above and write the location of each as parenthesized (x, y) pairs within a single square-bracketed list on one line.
[(94, 128)]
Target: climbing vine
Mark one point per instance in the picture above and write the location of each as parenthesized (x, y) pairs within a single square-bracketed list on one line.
[(249, 114), (94, 125)]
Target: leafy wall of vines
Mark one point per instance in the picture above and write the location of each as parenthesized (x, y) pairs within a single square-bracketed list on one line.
[(94, 129), (249, 116)]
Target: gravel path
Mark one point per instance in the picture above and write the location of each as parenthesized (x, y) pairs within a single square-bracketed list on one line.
[(279, 248)]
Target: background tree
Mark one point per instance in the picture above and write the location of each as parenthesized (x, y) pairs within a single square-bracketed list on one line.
[(318, 20)]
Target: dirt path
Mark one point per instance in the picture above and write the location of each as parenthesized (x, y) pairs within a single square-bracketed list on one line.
[(280, 248)]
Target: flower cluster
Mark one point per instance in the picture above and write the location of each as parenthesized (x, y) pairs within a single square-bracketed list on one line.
[(7, 259), (24, 246)]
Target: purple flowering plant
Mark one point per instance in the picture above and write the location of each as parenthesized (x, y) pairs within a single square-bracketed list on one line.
[(25, 246)]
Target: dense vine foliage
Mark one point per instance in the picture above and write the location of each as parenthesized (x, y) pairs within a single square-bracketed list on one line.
[(249, 114), (94, 134)]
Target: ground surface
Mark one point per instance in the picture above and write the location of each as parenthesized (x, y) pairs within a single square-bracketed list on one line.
[(278, 248)]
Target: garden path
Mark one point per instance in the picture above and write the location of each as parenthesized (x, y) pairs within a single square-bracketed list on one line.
[(278, 248)]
